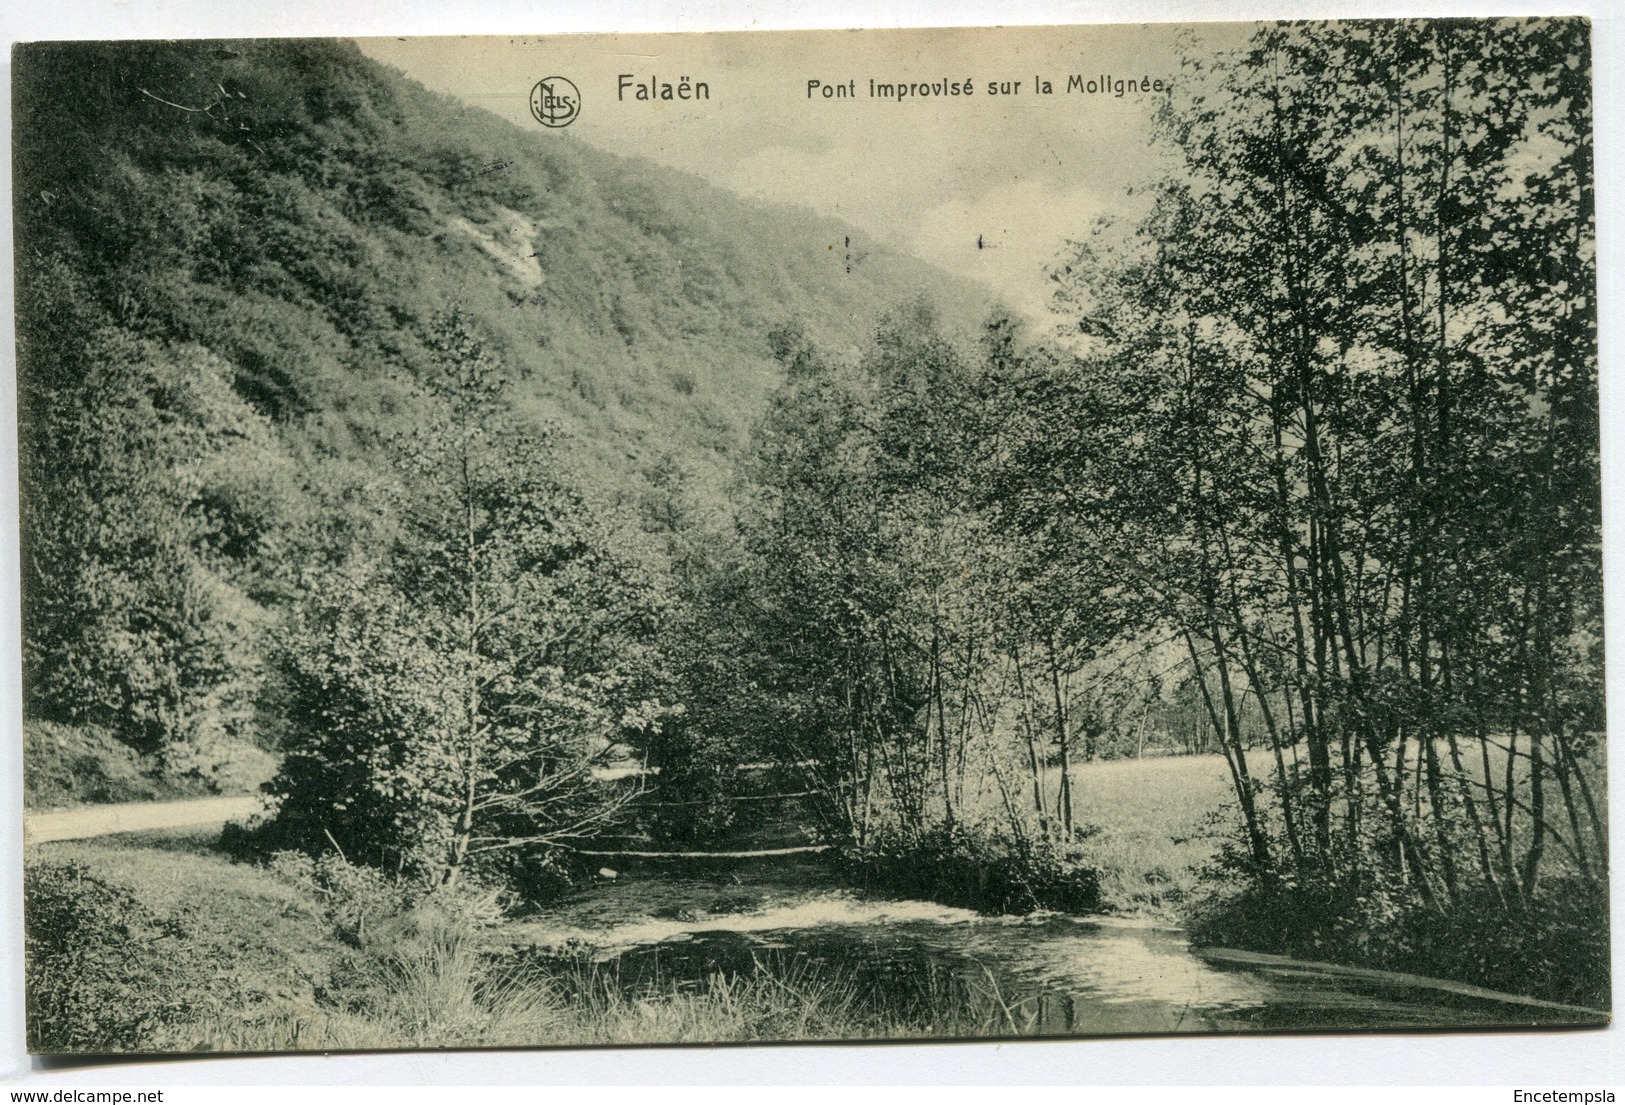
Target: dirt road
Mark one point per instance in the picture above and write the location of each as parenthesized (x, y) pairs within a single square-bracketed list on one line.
[(75, 824)]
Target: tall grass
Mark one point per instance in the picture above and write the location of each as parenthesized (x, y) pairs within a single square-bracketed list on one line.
[(193, 953), (1482, 917), (1157, 824), (1149, 826), (426, 984), (437, 988)]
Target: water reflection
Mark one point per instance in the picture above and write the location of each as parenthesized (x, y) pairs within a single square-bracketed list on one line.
[(1047, 974)]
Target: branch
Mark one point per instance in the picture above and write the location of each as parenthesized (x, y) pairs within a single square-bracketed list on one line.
[(168, 103)]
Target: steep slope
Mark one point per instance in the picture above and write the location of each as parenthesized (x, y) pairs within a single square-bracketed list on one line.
[(230, 258), (299, 211)]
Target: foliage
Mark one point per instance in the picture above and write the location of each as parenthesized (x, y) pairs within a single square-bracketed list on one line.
[(128, 947), (86, 945), (354, 897), (360, 901), (448, 701), (69, 765), (1554, 946), (978, 868), (1314, 480), (230, 254), (138, 622), (881, 626), (1339, 423), (1311, 479), (66, 765)]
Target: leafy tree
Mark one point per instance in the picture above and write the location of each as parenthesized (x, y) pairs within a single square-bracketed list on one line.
[(1358, 327), (451, 695), (150, 486)]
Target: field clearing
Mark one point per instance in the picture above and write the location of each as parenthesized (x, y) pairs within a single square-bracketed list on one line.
[(1150, 825), (1159, 820), (1153, 823)]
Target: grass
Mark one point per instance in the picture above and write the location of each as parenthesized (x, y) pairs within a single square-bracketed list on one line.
[(1156, 828), (1157, 821), (68, 766), (227, 957), (453, 997), (129, 940), (1549, 940), (1150, 825)]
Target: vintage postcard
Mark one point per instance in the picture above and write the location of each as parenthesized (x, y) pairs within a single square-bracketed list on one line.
[(788, 536)]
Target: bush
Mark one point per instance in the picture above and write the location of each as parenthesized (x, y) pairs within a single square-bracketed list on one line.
[(194, 953), (69, 765), (978, 868), (103, 971), (360, 899), (1554, 946), (353, 897)]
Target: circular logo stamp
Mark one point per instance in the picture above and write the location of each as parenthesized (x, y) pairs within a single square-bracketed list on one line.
[(555, 102)]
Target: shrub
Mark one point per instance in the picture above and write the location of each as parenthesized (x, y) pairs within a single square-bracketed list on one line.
[(360, 899), (70, 765), (102, 970), (979, 868), (66, 765), (1553, 946), (354, 897)]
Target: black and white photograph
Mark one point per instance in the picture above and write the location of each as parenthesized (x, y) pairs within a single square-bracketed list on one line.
[(809, 536)]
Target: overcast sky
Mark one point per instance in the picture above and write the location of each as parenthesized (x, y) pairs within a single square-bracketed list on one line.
[(987, 186)]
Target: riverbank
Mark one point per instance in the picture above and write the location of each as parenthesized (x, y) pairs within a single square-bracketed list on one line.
[(128, 935), (1146, 828)]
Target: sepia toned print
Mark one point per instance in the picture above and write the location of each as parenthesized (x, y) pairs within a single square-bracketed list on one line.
[(783, 536)]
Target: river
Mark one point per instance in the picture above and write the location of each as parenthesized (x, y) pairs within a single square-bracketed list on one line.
[(1048, 973)]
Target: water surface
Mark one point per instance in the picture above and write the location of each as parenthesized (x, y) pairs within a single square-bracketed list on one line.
[(1049, 973)]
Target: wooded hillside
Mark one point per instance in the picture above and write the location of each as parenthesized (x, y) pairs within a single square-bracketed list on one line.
[(230, 260)]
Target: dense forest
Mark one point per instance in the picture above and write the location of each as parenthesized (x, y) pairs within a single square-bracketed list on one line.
[(425, 472)]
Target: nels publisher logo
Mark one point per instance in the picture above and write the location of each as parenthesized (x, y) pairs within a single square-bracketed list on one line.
[(555, 102)]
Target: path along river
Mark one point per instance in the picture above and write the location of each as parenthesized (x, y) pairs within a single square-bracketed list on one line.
[(1053, 973)]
